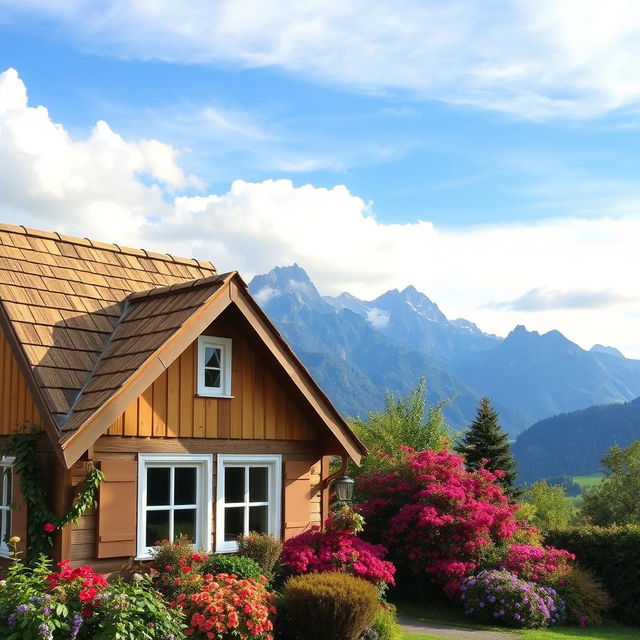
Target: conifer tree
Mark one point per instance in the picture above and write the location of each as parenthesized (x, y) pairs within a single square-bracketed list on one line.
[(485, 444)]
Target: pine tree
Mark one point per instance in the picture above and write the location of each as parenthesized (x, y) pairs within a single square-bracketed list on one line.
[(486, 445)]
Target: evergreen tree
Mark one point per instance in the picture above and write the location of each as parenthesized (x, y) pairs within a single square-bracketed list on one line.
[(485, 444)]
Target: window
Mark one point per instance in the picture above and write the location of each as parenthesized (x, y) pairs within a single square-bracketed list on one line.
[(174, 497), (248, 497), (214, 366), (6, 492)]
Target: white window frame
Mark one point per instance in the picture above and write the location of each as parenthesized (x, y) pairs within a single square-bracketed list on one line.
[(224, 344), (204, 511), (274, 465), (5, 504)]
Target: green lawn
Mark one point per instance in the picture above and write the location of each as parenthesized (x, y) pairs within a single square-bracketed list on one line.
[(589, 481), (447, 613)]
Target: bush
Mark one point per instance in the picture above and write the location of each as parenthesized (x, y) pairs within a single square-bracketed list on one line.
[(386, 624), (263, 548), (337, 549), (585, 600), (330, 606), (243, 568), (535, 563), (611, 554), (227, 607), (501, 597), (435, 516)]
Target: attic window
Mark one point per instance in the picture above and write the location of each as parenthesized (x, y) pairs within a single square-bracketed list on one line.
[(214, 367)]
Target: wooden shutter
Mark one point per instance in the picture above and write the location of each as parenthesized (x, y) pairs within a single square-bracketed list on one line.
[(297, 490), (18, 514), (117, 502)]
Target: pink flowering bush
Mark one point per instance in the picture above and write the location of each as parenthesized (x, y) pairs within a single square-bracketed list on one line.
[(437, 517), (536, 563), (337, 549)]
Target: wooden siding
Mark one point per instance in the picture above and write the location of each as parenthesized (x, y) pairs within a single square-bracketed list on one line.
[(261, 409), (16, 402), (83, 543)]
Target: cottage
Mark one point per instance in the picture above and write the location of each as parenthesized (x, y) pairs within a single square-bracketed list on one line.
[(168, 377)]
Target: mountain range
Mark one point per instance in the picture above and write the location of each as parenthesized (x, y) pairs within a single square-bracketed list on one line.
[(358, 349)]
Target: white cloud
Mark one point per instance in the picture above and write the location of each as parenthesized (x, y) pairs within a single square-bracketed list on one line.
[(575, 58), (117, 190)]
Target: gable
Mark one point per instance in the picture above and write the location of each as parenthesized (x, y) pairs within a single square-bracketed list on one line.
[(17, 406)]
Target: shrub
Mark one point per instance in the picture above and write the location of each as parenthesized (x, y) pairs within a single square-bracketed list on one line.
[(337, 549), (330, 606), (501, 597), (435, 516), (585, 600), (535, 563), (227, 606), (611, 554), (243, 568), (386, 624), (263, 548)]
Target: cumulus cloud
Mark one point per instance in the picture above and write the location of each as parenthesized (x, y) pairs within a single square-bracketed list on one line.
[(544, 299), (575, 58), (118, 190)]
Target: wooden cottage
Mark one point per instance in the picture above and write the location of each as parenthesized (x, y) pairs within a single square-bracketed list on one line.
[(169, 378)]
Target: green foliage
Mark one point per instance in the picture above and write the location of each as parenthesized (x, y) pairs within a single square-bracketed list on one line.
[(42, 522), (386, 624), (549, 506), (262, 548), (242, 566), (612, 555), (584, 598), (616, 500), (402, 423), (485, 444), (330, 606)]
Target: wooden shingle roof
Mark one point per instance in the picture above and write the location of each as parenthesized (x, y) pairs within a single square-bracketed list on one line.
[(64, 296)]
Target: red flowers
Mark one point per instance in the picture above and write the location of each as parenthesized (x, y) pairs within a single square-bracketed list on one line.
[(49, 527), (535, 563)]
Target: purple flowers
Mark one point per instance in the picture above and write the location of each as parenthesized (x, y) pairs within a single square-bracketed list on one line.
[(11, 620), (76, 624)]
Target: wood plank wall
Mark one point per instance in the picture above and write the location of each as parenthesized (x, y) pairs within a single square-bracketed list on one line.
[(84, 534), (261, 409), (16, 402)]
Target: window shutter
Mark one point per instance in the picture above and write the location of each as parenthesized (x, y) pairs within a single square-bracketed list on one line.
[(117, 500), (18, 514), (297, 508)]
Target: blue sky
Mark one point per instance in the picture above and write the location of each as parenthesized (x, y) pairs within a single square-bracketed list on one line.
[(487, 156)]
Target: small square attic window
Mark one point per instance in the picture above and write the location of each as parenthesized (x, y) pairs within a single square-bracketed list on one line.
[(214, 367)]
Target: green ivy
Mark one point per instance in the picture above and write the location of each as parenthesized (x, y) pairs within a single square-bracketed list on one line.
[(42, 522)]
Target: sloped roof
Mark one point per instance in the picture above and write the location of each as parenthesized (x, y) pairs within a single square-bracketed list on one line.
[(92, 324)]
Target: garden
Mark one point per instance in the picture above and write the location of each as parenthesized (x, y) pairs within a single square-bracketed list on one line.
[(429, 534)]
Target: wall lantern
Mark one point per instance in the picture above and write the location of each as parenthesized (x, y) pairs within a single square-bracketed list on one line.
[(343, 486)]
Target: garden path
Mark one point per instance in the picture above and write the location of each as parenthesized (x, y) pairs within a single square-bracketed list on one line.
[(412, 625)]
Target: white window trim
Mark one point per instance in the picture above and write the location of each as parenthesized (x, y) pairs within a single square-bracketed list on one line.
[(204, 497), (224, 344), (274, 462), (6, 462)]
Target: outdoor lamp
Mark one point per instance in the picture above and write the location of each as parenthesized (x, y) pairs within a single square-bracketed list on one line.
[(343, 486)]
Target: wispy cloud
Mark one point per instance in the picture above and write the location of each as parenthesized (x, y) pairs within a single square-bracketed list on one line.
[(545, 300), (550, 58)]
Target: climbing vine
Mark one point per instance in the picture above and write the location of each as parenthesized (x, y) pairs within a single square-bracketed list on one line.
[(42, 522)]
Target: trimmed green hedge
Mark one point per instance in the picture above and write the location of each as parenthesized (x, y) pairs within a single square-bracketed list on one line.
[(613, 555)]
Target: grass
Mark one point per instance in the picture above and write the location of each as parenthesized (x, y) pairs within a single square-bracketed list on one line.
[(588, 481), (443, 612)]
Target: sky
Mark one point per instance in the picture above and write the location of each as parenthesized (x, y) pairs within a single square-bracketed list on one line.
[(486, 153)]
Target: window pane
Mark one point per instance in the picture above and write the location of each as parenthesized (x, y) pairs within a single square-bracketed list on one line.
[(8, 479), (211, 377), (233, 523), (184, 522), (258, 484), (7, 524), (184, 488), (234, 484), (157, 527), (212, 357), (158, 486), (259, 519)]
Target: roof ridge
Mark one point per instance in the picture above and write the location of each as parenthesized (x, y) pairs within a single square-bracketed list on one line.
[(86, 242), (179, 286)]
